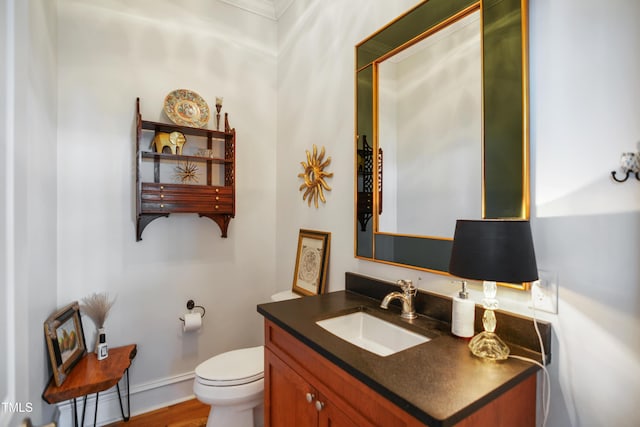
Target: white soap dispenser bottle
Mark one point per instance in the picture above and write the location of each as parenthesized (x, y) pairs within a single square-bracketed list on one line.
[(463, 314)]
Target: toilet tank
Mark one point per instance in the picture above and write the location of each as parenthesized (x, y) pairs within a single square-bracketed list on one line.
[(284, 295)]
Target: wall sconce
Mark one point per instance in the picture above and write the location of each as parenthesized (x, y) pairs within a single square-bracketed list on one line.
[(630, 164)]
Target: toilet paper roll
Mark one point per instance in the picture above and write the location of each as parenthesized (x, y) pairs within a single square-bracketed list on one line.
[(192, 322)]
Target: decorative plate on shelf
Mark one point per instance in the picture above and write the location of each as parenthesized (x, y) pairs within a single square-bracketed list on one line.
[(186, 108)]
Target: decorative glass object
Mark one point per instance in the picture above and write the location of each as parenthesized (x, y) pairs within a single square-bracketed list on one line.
[(487, 344)]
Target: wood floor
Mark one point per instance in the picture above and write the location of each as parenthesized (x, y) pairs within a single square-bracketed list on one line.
[(190, 413)]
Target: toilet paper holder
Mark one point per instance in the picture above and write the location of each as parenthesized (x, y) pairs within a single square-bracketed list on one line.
[(191, 305)]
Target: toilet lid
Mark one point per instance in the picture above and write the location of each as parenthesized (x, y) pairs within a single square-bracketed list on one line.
[(233, 367)]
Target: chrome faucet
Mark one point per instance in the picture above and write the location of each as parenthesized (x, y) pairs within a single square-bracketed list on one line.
[(408, 293)]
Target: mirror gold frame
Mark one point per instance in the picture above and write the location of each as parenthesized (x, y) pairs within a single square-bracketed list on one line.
[(505, 118)]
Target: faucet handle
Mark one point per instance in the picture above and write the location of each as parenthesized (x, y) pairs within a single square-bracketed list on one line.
[(407, 286)]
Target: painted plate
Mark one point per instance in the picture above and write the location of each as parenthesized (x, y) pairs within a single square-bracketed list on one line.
[(186, 108)]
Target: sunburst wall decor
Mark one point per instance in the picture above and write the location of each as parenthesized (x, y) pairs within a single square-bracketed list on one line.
[(314, 176), (186, 173)]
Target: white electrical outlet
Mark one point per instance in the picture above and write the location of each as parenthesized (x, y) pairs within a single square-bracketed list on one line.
[(544, 292)]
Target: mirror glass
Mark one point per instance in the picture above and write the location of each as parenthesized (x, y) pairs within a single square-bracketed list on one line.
[(476, 167), (429, 128)]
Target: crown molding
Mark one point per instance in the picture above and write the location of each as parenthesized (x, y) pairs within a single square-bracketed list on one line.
[(259, 7), (272, 9), (281, 6)]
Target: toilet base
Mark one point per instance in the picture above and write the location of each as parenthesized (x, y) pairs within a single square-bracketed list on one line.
[(233, 416), (233, 406)]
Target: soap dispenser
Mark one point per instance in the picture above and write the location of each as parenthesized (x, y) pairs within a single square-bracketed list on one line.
[(463, 314)]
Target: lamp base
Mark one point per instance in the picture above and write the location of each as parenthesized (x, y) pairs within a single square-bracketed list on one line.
[(487, 345)]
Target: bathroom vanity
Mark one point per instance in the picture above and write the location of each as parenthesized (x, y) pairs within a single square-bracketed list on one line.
[(314, 378)]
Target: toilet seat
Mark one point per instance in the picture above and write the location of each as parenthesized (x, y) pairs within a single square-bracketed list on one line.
[(232, 368)]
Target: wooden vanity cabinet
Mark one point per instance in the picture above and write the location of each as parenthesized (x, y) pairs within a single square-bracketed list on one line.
[(294, 401), (156, 196), (292, 370), (304, 389)]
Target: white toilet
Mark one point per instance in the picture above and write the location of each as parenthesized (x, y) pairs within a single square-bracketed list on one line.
[(233, 384)]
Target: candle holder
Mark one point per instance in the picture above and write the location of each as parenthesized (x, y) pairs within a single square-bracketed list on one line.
[(218, 108)]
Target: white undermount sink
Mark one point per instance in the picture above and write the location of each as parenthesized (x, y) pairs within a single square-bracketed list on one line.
[(371, 333)]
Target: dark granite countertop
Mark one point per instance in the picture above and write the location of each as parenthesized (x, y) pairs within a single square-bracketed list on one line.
[(439, 382)]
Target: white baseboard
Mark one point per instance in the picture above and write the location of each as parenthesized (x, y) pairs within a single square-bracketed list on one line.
[(143, 397)]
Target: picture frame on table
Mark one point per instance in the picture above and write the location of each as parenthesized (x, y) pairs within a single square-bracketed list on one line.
[(312, 262), (65, 340)]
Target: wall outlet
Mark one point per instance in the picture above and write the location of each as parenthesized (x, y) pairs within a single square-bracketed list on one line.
[(544, 292)]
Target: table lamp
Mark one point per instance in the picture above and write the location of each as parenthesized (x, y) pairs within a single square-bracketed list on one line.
[(492, 251)]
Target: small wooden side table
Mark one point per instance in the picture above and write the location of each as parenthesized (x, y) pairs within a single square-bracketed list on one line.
[(91, 375)]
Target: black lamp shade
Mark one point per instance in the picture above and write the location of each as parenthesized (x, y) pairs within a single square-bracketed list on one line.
[(494, 250)]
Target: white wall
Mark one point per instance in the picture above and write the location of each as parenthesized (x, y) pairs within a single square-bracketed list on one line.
[(111, 52), (6, 141), (388, 127), (584, 109), (439, 88), (316, 41), (29, 202), (584, 98)]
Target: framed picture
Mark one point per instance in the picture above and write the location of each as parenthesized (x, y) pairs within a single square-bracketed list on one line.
[(312, 260), (65, 340)]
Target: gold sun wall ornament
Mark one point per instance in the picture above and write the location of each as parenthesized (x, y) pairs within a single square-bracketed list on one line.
[(314, 176)]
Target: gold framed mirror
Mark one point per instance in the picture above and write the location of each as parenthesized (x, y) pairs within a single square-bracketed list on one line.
[(503, 174)]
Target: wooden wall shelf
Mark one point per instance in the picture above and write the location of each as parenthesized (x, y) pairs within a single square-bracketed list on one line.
[(160, 197)]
